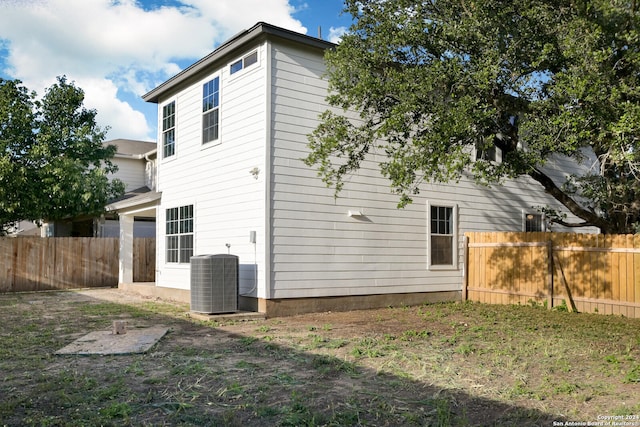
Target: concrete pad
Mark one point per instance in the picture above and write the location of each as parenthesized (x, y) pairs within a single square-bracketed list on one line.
[(106, 343), (226, 317)]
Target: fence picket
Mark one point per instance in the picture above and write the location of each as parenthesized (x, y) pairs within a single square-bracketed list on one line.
[(602, 272), (636, 277), (37, 264)]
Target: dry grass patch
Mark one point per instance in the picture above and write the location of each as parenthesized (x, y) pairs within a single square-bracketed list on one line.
[(441, 364)]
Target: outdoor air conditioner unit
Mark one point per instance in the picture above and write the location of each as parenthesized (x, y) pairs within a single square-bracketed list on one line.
[(214, 283)]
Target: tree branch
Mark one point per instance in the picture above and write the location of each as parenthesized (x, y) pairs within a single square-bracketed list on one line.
[(573, 224), (591, 219)]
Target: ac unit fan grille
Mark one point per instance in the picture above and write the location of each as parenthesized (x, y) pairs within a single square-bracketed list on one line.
[(214, 283)]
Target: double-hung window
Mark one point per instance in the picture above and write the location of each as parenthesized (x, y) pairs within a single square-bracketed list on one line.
[(211, 110), (169, 129), (442, 236), (245, 62), (179, 232)]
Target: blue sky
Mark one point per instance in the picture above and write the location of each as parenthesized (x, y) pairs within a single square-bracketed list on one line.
[(117, 50)]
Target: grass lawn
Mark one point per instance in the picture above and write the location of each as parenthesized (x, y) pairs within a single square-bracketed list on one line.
[(441, 365)]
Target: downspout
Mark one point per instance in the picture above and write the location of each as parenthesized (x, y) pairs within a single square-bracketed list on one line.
[(148, 160)]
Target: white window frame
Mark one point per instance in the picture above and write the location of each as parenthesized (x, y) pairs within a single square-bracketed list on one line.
[(543, 221), (454, 236), (184, 227), (242, 62), (168, 128), (209, 110), (477, 154)]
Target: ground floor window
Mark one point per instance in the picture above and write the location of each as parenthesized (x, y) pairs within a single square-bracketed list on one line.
[(533, 222), (179, 234), (442, 236)]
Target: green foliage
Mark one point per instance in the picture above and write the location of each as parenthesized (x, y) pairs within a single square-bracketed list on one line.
[(633, 376), (53, 163), (425, 84), (117, 410)]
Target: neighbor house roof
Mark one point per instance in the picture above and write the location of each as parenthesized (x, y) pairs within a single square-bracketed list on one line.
[(134, 198), (132, 147), (228, 50)]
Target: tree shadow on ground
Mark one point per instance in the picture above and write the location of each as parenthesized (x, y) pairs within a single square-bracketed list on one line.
[(263, 374)]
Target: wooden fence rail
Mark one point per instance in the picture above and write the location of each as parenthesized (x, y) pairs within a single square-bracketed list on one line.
[(38, 264), (587, 272)]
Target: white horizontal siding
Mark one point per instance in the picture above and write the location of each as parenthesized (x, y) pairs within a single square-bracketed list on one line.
[(131, 172), (228, 201), (318, 250), (313, 247)]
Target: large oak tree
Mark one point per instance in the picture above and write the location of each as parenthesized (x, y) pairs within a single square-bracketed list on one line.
[(53, 163), (434, 80)]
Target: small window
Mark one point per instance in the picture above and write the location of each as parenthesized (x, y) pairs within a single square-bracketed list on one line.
[(236, 66), (533, 222), (211, 110), (489, 152), (169, 129), (245, 62), (442, 236), (179, 234), (250, 59)]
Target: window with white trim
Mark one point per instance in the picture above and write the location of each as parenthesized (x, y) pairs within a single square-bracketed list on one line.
[(169, 129), (211, 110), (244, 62), (532, 222), (442, 236), (179, 234), (489, 152)]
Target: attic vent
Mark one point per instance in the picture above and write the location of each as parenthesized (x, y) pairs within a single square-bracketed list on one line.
[(214, 283)]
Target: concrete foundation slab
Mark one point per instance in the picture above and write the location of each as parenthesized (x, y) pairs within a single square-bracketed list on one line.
[(226, 317), (107, 343)]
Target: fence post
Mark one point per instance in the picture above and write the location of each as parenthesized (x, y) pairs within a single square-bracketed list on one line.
[(550, 274), (465, 269)]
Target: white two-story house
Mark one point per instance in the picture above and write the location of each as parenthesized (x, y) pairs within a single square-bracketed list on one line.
[(230, 179)]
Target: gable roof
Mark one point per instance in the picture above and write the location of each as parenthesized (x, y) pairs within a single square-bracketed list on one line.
[(131, 147), (226, 50), (135, 198)]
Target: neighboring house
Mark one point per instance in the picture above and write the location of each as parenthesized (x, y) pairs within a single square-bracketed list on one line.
[(136, 169), (232, 132), (23, 229)]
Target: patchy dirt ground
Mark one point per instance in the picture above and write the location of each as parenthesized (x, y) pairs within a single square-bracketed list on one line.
[(442, 364)]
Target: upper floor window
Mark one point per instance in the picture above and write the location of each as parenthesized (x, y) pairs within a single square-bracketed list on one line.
[(211, 110), (489, 152), (169, 129), (248, 60), (442, 236)]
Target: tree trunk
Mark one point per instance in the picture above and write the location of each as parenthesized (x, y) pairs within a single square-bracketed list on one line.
[(589, 217)]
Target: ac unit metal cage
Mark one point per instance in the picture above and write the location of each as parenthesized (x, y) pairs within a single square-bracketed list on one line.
[(214, 283)]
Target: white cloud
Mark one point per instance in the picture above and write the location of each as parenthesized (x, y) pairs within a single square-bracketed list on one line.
[(116, 50), (233, 16), (101, 94), (336, 33)]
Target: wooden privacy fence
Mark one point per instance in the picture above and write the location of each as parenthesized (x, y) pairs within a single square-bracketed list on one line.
[(593, 273), (38, 264), (144, 259)]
